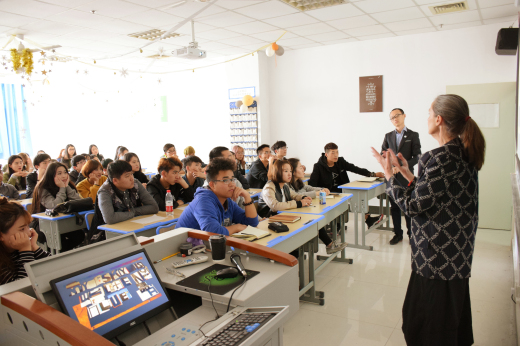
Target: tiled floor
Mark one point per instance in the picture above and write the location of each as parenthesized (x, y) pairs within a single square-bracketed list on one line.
[(363, 301)]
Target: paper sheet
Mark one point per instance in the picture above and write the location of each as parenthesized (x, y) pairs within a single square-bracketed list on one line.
[(367, 179), (149, 219)]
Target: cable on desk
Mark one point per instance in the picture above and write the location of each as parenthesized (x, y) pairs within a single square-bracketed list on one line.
[(218, 316), (229, 303)]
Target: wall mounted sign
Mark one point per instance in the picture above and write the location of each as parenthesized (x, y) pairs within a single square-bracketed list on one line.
[(239, 93), (371, 94)]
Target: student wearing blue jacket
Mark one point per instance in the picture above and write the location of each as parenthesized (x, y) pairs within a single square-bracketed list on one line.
[(213, 209)]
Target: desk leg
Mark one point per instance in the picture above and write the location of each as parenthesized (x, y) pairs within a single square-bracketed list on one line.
[(46, 228), (336, 258), (359, 208), (312, 296), (57, 236), (301, 266)]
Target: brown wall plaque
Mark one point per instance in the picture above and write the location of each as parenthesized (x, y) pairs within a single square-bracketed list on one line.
[(371, 94)]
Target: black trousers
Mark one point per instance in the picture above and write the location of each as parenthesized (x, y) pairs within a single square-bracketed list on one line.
[(324, 237), (396, 219), (437, 312)]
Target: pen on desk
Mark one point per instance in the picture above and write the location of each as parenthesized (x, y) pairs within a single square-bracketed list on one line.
[(162, 259), (308, 221)]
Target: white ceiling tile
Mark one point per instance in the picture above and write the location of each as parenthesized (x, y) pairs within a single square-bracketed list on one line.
[(459, 25), (30, 8), (312, 29), (499, 11), (329, 36), (113, 8), (415, 31), (308, 45), (353, 22), (210, 46), (151, 3), (398, 15), (226, 19), (367, 30), (491, 3), (49, 27), (373, 6), (510, 20), (335, 12), (409, 24), (190, 8), (217, 34), (430, 2), (125, 41), (455, 18), (273, 35), (373, 37), (68, 3), (153, 18), (70, 41), (5, 28), (291, 20), (234, 4), (231, 51), (186, 28), (41, 38), (183, 40), (294, 41), (122, 27), (242, 41), (346, 40), (254, 47), (91, 34), (472, 5), (81, 18), (267, 10), (251, 28), (14, 20)]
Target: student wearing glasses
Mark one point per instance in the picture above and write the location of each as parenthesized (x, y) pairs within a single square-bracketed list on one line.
[(257, 176), (170, 151), (77, 163), (169, 178), (405, 141), (41, 161), (240, 159), (213, 209)]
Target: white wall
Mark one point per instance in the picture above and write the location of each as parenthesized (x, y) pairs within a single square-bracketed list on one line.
[(314, 93)]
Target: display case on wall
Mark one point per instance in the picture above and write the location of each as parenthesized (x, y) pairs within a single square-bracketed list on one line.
[(244, 130)]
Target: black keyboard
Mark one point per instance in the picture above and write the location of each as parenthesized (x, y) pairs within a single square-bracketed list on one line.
[(238, 330)]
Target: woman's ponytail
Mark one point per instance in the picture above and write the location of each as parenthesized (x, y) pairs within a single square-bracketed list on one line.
[(474, 143)]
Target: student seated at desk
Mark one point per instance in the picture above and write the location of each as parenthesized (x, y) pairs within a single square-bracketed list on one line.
[(122, 197), (67, 155), (27, 163), (53, 189), (134, 161), (77, 163), (15, 174), (41, 161), (89, 186), (170, 151), (280, 150), (195, 176), (297, 185), (105, 164), (226, 154), (93, 150), (169, 178), (257, 176), (120, 153), (17, 242), (9, 191), (213, 209), (240, 159), (331, 172)]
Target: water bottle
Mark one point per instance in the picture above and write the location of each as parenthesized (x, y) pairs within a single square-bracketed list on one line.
[(323, 197), (169, 203)]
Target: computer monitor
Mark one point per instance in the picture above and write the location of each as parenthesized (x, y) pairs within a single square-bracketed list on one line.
[(113, 296)]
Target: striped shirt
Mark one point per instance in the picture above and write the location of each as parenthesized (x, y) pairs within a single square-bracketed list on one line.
[(20, 258)]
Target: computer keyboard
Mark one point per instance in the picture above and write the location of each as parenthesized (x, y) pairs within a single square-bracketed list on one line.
[(239, 329)]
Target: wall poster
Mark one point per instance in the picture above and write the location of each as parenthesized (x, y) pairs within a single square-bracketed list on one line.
[(371, 94)]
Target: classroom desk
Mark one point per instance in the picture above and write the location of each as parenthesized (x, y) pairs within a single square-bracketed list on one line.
[(145, 230), (302, 235), (22, 193), (24, 202), (255, 193), (54, 226), (149, 175), (333, 211), (362, 193)]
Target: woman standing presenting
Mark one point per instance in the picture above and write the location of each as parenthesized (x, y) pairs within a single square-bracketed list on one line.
[(443, 204)]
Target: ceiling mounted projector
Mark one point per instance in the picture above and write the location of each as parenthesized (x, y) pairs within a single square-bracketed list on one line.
[(192, 51)]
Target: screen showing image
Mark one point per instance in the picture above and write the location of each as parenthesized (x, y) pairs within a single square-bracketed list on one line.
[(111, 295)]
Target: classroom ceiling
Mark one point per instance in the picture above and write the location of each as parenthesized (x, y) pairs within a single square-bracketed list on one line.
[(228, 27)]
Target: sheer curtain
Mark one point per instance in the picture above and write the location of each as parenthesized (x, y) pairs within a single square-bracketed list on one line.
[(15, 134)]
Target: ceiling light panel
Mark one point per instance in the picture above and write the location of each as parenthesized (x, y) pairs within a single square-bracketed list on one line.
[(307, 5), (153, 34)]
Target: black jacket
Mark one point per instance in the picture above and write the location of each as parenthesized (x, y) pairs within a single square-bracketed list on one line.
[(158, 193), (81, 177), (410, 148), (322, 174), (74, 175), (257, 176), (242, 179), (143, 179), (199, 182), (32, 180)]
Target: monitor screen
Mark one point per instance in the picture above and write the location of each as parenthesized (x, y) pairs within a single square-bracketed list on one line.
[(113, 296)]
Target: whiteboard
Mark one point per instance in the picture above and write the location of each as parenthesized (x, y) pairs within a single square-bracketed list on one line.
[(486, 115)]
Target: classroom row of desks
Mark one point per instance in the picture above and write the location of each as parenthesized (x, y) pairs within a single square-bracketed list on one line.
[(302, 235)]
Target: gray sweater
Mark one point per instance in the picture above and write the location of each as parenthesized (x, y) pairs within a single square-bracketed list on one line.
[(112, 216), (307, 190), (9, 191), (63, 195)]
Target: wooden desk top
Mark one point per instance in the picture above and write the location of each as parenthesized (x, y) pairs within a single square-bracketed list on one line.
[(362, 185), (23, 202), (319, 209), (254, 192), (129, 226), (276, 238)]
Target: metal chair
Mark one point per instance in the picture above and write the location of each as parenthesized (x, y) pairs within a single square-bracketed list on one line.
[(88, 218)]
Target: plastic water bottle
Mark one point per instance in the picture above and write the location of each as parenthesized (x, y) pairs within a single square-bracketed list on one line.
[(323, 197), (169, 203)]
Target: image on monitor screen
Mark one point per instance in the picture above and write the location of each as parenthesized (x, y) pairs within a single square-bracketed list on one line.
[(111, 297)]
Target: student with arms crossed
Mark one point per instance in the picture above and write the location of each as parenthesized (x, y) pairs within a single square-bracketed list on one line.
[(53, 189), (89, 186), (41, 161), (77, 163), (331, 172), (169, 178), (257, 176), (213, 209), (195, 176), (17, 242)]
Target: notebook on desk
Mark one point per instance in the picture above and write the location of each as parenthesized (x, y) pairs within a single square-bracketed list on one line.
[(251, 234), (285, 218)]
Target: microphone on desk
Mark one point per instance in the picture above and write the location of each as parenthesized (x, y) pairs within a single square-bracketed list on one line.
[(235, 259)]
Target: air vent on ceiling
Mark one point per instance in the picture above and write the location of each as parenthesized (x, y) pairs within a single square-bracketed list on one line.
[(447, 8), (153, 34), (307, 5)]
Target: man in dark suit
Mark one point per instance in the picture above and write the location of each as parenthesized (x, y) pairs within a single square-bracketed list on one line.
[(405, 141)]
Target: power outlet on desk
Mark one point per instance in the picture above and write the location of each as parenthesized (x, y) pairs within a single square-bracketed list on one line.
[(181, 335)]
